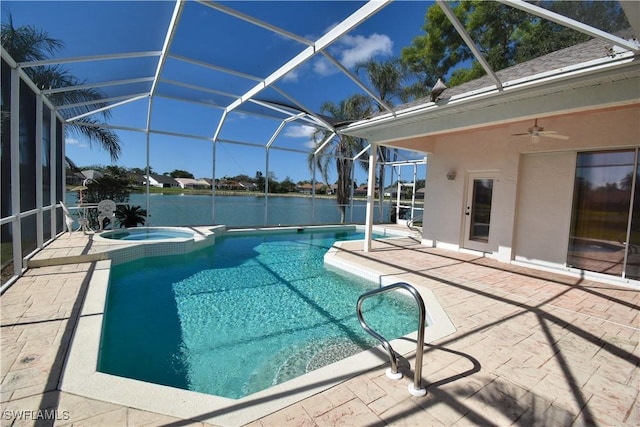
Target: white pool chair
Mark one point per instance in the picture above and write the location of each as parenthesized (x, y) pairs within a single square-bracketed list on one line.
[(106, 209), (69, 220)]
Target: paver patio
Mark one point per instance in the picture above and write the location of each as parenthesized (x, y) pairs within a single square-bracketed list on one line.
[(531, 348)]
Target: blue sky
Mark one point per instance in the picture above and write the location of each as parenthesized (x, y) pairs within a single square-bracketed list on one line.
[(93, 28)]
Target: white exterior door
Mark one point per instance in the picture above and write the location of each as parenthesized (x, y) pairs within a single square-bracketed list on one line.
[(477, 213)]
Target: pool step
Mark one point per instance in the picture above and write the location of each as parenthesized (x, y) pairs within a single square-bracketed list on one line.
[(302, 359), (65, 260)]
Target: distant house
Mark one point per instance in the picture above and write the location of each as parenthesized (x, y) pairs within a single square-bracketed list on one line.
[(249, 186), (420, 193), (92, 174), (75, 178), (392, 191), (80, 178), (137, 180), (227, 184), (362, 190), (161, 181), (192, 183), (205, 182), (308, 188)]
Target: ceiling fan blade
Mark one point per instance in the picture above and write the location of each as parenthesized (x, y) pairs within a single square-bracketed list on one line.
[(554, 135), (536, 132)]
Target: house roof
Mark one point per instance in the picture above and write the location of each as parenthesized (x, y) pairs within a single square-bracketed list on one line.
[(185, 181), (308, 185), (163, 179), (570, 56), (91, 174)]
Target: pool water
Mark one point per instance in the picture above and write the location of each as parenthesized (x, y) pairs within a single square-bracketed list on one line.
[(242, 315)]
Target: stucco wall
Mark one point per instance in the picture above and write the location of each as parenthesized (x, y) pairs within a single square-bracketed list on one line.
[(532, 195), (484, 151), (545, 194)]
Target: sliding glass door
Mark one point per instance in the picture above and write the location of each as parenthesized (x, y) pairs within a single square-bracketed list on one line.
[(632, 264), (605, 223)]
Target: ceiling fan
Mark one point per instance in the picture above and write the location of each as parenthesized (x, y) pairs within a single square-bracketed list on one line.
[(536, 131)]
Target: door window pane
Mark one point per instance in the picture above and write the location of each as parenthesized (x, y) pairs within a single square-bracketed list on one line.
[(481, 210)]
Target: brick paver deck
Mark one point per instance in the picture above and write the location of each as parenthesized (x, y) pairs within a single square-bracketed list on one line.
[(531, 348)]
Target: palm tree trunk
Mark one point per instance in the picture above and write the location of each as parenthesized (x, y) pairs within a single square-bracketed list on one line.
[(344, 182)]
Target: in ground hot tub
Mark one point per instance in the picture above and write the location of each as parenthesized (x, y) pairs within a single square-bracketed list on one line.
[(148, 234)]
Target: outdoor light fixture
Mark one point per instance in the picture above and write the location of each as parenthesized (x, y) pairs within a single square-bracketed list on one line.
[(437, 90), (451, 175)]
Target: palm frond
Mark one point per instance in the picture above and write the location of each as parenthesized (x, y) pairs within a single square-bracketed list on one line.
[(107, 139), (71, 164), (26, 44)]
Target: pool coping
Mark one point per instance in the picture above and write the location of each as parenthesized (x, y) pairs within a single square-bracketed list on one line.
[(100, 249), (80, 376)]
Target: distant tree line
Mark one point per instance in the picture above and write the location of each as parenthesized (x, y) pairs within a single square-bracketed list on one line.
[(127, 177)]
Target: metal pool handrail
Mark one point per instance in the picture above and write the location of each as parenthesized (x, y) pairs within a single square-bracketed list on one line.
[(415, 389), (412, 221)]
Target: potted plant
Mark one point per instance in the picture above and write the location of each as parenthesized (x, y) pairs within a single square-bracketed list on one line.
[(130, 216)]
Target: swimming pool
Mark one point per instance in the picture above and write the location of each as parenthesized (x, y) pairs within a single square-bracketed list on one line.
[(240, 316), (147, 234)]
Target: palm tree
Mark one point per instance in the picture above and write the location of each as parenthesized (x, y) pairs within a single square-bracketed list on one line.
[(130, 216), (343, 147), (26, 44), (390, 79)]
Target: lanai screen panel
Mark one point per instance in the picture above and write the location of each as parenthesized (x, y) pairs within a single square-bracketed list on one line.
[(206, 76)]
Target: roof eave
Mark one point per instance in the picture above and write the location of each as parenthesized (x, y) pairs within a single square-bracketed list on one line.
[(595, 84)]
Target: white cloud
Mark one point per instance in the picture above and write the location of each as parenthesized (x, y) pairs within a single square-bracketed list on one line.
[(350, 50), (324, 67), (76, 142), (237, 115), (311, 144), (292, 76), (361, 48), (300, 131)]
